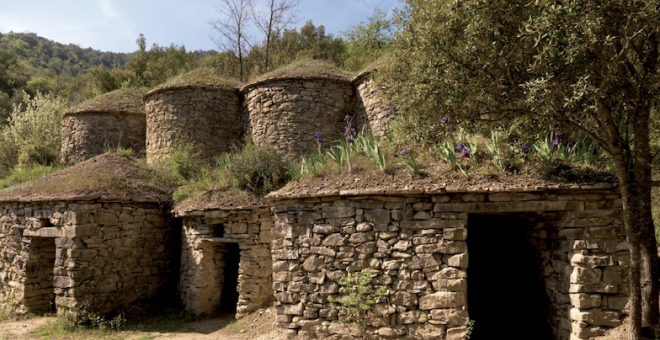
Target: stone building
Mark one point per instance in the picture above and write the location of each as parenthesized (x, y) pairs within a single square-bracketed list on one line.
[(371, 109), (110, 121), (80, 237), (553, 258), (198, 109), (226, 264), (285, 112)]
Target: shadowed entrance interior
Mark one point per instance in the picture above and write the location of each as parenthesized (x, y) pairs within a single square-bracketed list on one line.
[(39, 293), (229, 295), (505, 281)]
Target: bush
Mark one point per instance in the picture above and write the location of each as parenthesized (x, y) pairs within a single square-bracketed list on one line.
[(257, 169), (361, 296), (33, 135), (83, 318)]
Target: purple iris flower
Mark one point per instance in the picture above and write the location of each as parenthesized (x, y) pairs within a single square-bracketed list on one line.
[(404, 152), (555, 143), (466, 153), (319, 136), (559, 134), (349, 139), (527, 147), (461, 146), (444, 119), (347, 117)]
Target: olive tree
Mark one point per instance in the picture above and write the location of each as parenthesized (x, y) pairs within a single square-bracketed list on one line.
[(591, 66)]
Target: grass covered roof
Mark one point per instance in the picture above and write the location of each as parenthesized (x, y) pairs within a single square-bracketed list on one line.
[(122, 100), (199, 77), (105, 176), (304, 69)]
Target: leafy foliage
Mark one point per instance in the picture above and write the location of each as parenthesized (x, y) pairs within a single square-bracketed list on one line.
[(33, 134), (361, 295)]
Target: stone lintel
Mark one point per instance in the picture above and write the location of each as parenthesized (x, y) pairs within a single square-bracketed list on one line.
[(509, 206)]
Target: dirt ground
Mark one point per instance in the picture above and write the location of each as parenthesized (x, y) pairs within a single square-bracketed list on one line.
[(256, 326)]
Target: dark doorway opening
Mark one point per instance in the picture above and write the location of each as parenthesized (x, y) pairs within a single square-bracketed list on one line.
[(506, 294), (229, 294), (39, 291)]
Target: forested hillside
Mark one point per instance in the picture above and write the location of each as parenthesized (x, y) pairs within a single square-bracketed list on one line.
[(32, 63)]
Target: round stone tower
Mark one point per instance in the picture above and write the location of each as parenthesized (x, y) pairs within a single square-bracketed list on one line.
[(107, 122), (371, 110), (286, 110), (198, 109)]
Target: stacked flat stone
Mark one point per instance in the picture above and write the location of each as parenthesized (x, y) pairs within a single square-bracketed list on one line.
[(112, 121), (285, 113), (371, 110), (203, 258), (105, 253), (205, 116), (415, 244)]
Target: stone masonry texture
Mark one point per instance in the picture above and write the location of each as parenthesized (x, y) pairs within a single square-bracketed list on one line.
[(107, 254), (205, 235), (371, 111), (89, 134), (286, 113), (416, 246), (209, 118)]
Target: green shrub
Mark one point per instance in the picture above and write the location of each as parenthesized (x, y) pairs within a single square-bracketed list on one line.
[(83, 318), (128, 153), (33, 134), (257, 169), (361, 295)]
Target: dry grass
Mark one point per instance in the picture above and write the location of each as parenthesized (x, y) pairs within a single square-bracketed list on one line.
[(123, 100), (109, 175), (306, 69), (200, 77)]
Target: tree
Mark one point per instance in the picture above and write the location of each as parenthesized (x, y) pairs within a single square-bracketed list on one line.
[(590, 66), (279, 15), (232, 27), (33, 135), (368, 41)]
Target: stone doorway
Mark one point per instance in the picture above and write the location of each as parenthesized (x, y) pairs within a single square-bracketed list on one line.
[(506, 287), (231, 257), (39, 293)]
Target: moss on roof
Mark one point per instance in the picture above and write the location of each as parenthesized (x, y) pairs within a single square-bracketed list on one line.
[(123, 100), (106, 176), (371, 68), (229, 199), (304, 69), (202, 76)]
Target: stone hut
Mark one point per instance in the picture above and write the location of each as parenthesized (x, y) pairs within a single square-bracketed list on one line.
[(226, 264), (199, 109), (553, 258), (82, 236), (286, 109), (371, 110), (107, 122)]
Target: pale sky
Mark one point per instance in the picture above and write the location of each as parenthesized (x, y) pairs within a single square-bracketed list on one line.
[(114, 25)]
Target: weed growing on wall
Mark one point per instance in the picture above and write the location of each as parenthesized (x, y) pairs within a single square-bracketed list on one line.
[(361, 296)]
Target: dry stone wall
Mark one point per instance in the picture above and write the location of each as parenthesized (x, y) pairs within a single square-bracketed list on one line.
[(104, 253), (205, 237), (286, 113), (89, 134), (207, 117), (371, 111), (416, 247)]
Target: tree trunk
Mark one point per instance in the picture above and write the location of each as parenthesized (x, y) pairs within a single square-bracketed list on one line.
[(630, 219), (642, 179)]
